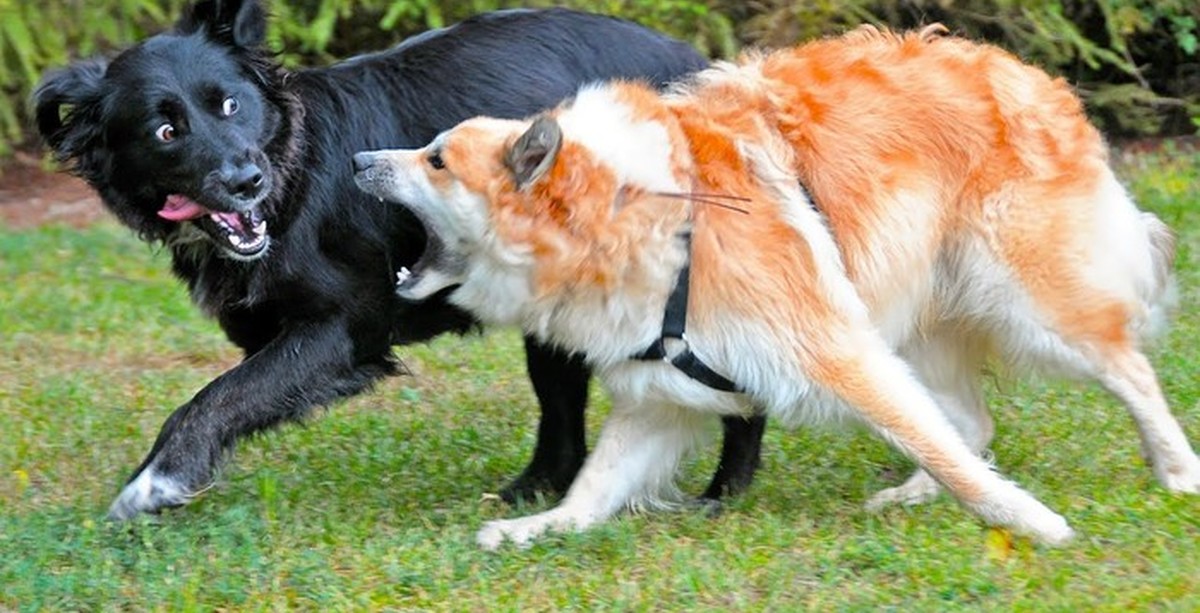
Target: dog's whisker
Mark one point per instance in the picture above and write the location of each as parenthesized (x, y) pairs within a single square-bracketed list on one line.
[(710, 199)]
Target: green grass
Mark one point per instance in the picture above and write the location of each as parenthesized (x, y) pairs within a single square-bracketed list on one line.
[(374, 504)]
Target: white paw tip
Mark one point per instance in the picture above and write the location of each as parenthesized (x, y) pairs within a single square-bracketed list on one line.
[(1059, 537), (489, 540), (1053, 531), (147, 492)]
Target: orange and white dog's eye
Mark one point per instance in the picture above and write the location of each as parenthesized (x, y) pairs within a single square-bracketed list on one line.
[(435, 160)]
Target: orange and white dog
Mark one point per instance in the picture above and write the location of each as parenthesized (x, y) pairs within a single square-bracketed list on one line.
[(871, 218)]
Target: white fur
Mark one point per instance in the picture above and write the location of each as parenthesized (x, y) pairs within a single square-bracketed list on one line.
[(633, 465), (147, 492), (1120, 260), (598, 120), (592, 318)]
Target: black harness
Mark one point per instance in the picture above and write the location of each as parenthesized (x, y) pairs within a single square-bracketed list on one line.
[(674, 323), (675, 315)]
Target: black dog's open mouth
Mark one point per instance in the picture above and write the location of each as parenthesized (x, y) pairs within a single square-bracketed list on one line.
[(243, 233)]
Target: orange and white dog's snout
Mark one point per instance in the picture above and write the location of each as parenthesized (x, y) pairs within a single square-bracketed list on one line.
[(386, 174), (397, 176)]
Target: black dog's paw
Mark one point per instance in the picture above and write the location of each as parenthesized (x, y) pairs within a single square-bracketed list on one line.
[(729, 481), (150, 492), (539, 481), (708, 507)]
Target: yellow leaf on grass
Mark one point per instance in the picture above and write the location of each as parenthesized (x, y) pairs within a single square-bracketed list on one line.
[(22, 479), (998, 544)]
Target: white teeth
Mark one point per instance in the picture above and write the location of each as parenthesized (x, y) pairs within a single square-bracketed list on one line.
[(237, 242), (403, 274), (261, 227)]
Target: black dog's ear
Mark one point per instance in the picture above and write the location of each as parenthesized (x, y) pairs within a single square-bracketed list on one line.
[(534, 153), (237, 23), (67, 104)]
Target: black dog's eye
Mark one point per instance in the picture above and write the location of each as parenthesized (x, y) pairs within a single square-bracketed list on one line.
[(165, 133), (435, 160), (229, 106)]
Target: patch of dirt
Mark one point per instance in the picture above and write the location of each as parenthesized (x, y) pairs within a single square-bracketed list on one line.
[(31, 196)]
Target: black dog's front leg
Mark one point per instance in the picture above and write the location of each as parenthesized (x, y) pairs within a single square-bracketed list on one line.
[(560, 382), (305, 367)]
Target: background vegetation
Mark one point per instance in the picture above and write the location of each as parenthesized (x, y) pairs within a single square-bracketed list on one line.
[(373, 506), (1136, 61)]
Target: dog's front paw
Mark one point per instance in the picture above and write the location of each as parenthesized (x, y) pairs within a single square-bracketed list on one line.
[(149, 492), (919, 489), (1019, 510), (551, 481), (1183, 477), (523, 530), (521, 533), (1051, 529)]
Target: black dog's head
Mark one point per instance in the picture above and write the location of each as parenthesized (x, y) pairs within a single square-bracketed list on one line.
[(176, 133)]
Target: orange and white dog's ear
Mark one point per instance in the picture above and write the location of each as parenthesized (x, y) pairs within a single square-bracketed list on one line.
[(534, 152)]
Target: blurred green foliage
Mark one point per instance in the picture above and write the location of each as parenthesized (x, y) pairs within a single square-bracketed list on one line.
[(1137, 62), (37, 36), (322, 30)]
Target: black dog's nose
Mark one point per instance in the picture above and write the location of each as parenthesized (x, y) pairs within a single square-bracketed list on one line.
[(363, 160), (245, 181)]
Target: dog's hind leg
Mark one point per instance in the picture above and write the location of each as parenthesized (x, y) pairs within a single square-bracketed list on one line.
[(633, 465), (1128, 375), (859, 368), (741, 454), (1090, 301), (949, 364)]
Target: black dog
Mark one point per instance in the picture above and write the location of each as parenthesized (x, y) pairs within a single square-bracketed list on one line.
[(197, 139)]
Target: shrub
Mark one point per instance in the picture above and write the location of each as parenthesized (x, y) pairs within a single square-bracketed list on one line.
[(35, 36), (1136, 61)]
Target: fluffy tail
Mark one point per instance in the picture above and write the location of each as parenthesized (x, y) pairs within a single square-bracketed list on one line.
[(1164, 294)]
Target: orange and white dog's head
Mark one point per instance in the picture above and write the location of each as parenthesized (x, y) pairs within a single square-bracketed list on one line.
[(446, 185), (511, 207)]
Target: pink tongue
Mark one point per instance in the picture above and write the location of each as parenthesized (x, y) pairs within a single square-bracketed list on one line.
[(233, 220), (180, 208)]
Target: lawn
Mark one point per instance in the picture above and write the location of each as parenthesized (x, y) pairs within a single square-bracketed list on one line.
[(373, 505)]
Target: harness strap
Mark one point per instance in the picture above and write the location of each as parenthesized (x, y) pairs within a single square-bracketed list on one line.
[(674, 324), (675, 321)]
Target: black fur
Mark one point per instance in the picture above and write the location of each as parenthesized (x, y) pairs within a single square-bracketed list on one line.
[(314, 310)]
